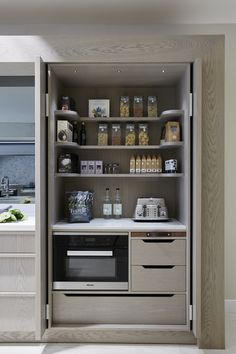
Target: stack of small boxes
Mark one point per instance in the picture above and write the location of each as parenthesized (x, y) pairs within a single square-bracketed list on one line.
[(91, 167)]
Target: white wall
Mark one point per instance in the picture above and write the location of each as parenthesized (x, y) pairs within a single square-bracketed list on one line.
[(45, 41)]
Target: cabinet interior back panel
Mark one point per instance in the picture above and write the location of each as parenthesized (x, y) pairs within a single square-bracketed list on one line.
[(166, 97), (130, 191)]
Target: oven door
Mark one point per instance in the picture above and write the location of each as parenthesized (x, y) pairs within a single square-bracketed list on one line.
[(90, 262)]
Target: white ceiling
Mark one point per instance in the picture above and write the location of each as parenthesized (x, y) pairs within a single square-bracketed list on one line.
[(117, 11)]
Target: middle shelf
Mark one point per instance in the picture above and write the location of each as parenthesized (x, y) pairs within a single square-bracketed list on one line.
[(121, 175), (120, 147)]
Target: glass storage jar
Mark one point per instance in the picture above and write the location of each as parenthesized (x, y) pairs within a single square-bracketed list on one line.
[(124, 106), (130, 134), (138, 106), (103, 134), (115, 134), (143, 136), (152, 106)]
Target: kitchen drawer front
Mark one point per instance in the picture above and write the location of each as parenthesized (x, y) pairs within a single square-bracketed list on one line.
[(170, 279), (17, 313), (17, 274), (17, 242), (157, 252), (155, 310)]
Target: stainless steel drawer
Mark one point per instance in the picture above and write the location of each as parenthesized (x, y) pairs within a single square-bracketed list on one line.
[(23, 242), (153, 278), (17, 273), (17, 313), (157, 252), (158, 310)]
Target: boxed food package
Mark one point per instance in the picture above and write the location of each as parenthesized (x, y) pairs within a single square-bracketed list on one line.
[(91, 167), (67, 163), (84, 167), (132, 164), (149, 164), (144, 164), (98, 167), (138, 164), (159, 164), (64, 131), (172, 132)]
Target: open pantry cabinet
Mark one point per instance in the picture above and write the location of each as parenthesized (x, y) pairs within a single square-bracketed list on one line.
[(172, 84)]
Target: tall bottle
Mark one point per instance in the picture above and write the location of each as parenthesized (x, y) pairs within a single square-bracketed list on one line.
[(82, 137), (75, 132), (107, 205), (117, 205)]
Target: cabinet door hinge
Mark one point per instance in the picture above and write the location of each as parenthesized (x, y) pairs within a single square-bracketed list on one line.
[(47, 105), (190, 104), (190, 312), (47, 311)]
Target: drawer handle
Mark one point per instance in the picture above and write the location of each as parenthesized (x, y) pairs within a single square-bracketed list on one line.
[(158, 241), (158, 266)]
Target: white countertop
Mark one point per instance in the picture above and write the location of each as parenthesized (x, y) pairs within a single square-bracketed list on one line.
[(25, 225), (120, 225)]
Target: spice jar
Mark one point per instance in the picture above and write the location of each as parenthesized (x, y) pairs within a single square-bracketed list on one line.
[(115, 168), (115, 134), (143, 137), (138, 106), (130, 134), (152, 106), (103, 134), (124, 106)]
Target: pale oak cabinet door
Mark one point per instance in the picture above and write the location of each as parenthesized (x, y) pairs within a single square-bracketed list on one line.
[(40, 197)]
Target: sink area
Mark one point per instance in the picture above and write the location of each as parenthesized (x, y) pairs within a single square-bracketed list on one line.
[(17, 200)]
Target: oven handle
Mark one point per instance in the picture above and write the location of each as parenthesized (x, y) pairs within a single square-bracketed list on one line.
[(90, 253)]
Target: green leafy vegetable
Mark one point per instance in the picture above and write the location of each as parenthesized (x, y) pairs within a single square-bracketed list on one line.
[(11, 216)]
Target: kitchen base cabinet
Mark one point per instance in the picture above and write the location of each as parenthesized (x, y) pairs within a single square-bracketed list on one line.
[(112, 309), (17, 313)]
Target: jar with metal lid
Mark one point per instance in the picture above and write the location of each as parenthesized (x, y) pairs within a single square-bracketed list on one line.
[(130, 134), (152, 106), (124, 106), (138, 106), (115, 134), (143, 136), (103, 134)]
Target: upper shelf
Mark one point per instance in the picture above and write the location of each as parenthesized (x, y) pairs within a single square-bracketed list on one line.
[(164, 116), (120, 147)]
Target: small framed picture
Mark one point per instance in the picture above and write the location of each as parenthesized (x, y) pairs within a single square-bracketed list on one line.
[(99, 108)]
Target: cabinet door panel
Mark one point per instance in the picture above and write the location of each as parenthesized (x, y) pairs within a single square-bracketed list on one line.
[(17, 274), (17, 313), (158, 279), (158, 252)]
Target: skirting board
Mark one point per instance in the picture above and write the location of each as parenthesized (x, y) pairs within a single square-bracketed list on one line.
[(230, 305)]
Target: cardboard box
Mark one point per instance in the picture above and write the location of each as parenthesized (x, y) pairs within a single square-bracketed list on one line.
[(98, 167), (91, 167), (64, 131), (83, 167)]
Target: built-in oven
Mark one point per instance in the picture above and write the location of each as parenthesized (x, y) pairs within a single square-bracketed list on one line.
[(90, 261)]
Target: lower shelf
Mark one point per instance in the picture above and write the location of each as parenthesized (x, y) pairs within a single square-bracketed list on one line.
[(122, 175)]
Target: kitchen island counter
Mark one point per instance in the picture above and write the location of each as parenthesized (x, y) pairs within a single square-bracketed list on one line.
[(120, 225), (26, 225)]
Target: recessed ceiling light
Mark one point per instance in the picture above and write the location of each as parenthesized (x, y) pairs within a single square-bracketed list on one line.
[(76, 70), (163, 70), (118, 70)]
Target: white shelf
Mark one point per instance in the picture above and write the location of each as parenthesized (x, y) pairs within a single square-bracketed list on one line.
[(71, 115), (122, 175), (164, 116), (121, 147), (121, 225)]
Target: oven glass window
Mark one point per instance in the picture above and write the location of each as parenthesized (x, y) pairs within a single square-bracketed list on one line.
[(90, 268)]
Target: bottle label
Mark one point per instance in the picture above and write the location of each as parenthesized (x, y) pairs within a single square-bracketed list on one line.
[(107, 209), (117, 209)]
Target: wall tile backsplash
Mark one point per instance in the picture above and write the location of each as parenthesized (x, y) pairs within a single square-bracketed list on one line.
[(19, 169)]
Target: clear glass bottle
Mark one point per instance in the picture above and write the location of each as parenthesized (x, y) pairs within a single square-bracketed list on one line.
[(107, 205), (117, 205)]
